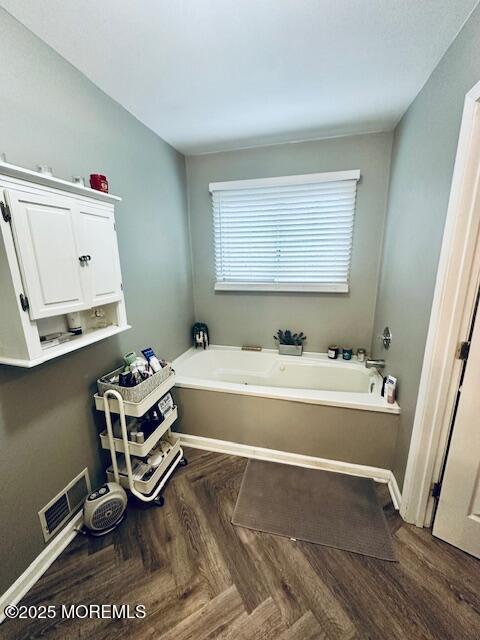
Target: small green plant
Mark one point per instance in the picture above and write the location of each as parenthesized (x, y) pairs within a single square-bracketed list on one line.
[(287, 337)]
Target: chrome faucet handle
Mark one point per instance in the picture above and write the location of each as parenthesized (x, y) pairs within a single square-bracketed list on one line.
[(386, 337)]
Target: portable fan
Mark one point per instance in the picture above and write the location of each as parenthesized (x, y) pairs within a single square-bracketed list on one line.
[(104, 509)]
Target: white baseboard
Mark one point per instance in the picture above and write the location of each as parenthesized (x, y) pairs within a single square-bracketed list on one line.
[(35, 571), (311, 462), (395, 492)]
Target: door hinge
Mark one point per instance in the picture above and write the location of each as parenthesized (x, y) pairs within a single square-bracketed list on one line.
[(7, 216), (24, 302), (463, 350), (436, 488), (121, 286)]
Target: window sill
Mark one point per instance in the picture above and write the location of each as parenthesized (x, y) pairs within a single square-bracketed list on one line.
[(282, 287)]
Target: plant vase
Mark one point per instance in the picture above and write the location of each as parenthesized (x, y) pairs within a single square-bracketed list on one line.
[(290, 349)]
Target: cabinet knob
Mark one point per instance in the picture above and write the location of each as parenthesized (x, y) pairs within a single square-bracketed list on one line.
[(84, 258)]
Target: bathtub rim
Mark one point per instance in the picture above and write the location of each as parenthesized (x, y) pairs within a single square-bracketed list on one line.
[(310, 396)]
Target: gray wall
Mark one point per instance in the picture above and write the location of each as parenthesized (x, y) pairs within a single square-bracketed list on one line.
[(245, 318), (51, 114), (422, 165)]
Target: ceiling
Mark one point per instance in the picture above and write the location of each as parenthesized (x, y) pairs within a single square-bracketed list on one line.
[(209, 75)]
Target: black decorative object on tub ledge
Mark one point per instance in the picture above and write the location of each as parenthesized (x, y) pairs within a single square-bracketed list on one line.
[(290, 344), (200, 335)]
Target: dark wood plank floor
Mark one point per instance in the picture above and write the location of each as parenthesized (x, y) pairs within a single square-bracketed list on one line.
[(201, 578)]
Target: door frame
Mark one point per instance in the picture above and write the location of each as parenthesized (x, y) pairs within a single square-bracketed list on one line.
[(456, 287)]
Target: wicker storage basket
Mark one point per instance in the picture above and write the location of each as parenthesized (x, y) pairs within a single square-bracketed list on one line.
[(140, 391)]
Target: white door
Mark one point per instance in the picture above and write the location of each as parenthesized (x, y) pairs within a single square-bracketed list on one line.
[(98, 240), (46, 238), (457, 520)]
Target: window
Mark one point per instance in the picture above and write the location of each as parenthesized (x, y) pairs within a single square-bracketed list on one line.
[(284, 234)]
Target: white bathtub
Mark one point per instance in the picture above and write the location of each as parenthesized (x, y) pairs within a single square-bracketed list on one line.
[(312, 378)]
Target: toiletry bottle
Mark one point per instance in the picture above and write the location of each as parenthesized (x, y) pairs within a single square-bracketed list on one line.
[(332, 352), (347, 353), (391, 389), (74, 323)]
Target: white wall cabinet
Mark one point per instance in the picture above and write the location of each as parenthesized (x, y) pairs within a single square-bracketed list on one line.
[(59, 255)]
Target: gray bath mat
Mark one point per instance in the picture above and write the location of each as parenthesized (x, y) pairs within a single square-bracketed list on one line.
[(322, 507)]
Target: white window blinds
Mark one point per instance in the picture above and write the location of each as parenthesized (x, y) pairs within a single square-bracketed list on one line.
[(285, 234)]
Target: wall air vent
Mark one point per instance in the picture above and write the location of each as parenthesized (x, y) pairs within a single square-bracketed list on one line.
[(65, 505)]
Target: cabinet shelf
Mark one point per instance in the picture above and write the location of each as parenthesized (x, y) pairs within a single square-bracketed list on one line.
[(141, 450), (13, 171), (66, 347)]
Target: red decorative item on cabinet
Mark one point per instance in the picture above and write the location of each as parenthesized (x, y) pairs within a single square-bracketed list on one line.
[(99, 182)]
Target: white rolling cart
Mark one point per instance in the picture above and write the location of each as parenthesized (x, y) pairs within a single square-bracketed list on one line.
[(148, 490)]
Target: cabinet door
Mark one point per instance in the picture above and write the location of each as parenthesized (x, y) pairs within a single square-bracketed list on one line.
[(46, 238), (99, 244)]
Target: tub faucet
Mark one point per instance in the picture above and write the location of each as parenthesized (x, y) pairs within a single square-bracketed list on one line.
[(375, 364)]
